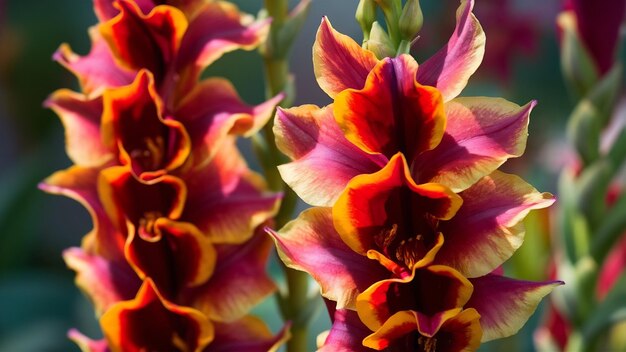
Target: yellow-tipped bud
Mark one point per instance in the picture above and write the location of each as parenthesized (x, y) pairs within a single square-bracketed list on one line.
[(411, 20)]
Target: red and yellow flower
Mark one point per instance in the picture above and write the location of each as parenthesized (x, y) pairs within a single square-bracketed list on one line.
[(411, 217), (177, 213)]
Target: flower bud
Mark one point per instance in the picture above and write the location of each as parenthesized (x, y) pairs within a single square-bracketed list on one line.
[(366, 15), (380, 43), (411, 20)]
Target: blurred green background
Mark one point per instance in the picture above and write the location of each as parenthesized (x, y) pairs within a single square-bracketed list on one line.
[(38, 299)]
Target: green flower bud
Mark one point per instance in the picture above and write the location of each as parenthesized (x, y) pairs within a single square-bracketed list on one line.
[(380, 43), (366, 15), (411, 20)]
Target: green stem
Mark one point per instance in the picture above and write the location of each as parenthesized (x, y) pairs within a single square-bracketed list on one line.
[(277, 10), (276, 63), (297, 342), (277, 72)]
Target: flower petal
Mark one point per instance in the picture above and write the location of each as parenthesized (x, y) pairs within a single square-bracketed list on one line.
[(80, 184), (324, 159), (181, 256), (338, 61), (447, 289), (105, 282), (149, 322), (346, 334), (504, 304), (248, 334), (217, 28), (451, 67), (213, 109), (86, 344), (228, 200), (126, 198), (132, 122), (392, 113), (106, 9), (81, 120), (388, 212), (145, 41), (482, 133), (310, 243), (239, 282), (454, 332), (487, 229), (97, 70), (397, 326)]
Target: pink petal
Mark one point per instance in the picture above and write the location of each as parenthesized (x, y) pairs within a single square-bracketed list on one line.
[(310, 243), (239, 281), (451, 67), (346, 334), (227, 201), (213, 109), (482, 133), (81, 119), (80, 184), (325, 160), (86, 344), (97, 70), (505, 304), (487, 229), (105, 10), (338, 61), (248, 334), (217, 29), (105, 282)]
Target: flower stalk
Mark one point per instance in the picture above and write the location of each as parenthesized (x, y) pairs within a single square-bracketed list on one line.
[(177, 213), (591, 225), (294, 302), (402, 200)]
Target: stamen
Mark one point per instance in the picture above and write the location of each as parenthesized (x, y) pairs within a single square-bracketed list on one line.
[(156, 147), (429, 343), (146, 224), (385, 237), (152, 155), (407, 250)]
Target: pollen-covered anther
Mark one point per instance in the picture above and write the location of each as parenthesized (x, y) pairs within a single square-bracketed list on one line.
[(146, 225), (429, 343), (385, 237), (407, 251), (152, 154)]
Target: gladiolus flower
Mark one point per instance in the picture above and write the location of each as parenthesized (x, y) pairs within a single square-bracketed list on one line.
[(177, 213), (411, 217)]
